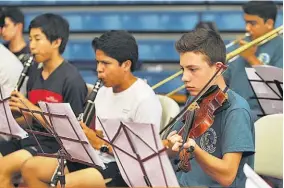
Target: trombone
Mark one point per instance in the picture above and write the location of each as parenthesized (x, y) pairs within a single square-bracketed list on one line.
[(237, 40), (259, 44), (259, 41)]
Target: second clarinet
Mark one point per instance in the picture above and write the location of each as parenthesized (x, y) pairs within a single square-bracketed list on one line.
[(90, 108), (27, 61)]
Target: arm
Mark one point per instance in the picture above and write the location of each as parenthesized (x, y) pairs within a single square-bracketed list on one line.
[(94, 138), (277, 58), (222, 170), (253, 60), (237, 141), (249, 55), (23, 120), (18, 101)]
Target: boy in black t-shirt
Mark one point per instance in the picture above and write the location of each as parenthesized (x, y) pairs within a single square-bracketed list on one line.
[(57, 81)]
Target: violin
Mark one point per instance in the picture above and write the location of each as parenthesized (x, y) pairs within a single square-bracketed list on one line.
[(200, 122)]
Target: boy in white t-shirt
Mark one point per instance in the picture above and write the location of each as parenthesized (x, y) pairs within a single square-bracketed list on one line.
[(123, 96)]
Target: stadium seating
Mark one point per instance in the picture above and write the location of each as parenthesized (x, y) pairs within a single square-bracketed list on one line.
[(150, 21)]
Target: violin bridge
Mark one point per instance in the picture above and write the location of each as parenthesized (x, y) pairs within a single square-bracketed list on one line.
[(193, 106)]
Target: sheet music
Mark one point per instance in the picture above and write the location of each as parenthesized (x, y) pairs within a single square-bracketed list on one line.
[(64, 129), (269, 95), (269, 73), (251, 74), (129, 166), (16, 129), (253, 180)]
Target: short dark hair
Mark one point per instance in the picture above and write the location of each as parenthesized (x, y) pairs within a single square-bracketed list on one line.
[(207, 25), (264, 9), (2, 18), (54, 27), (118, 44), (15, 14), (204, 41)]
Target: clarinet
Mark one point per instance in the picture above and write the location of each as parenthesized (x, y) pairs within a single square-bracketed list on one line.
[(27, 61), (90, 108), (88, 115)]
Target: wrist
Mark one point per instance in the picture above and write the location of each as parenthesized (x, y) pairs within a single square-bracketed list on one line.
[(252, 60), (167, 143), (34, 107), (192, 145)]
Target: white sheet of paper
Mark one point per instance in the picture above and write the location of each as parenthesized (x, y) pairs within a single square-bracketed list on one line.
[(64, 129), (253, 180), (6, 117), (150, 143), (267, 73), (251, 74)]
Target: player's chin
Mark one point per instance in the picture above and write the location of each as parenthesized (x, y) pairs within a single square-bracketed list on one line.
[(107, 84), (38, 58)]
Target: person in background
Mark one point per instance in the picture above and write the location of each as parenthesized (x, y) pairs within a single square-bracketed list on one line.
[(57, 81), (260, 18), (12, 32), (10, 66)]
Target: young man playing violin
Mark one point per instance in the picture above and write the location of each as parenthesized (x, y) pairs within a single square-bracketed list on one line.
[(219, 154), (123, 96)]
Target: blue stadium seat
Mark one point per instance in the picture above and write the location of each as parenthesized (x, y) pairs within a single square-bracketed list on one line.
[(131, 20), (123, 2), (225, 20), (165, 21), (151, 77), (155, 77), (96, 2), (89, 77), (149, 50), (231, 20)]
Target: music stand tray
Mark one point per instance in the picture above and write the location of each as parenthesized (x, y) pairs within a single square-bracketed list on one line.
[(65, 128), (140, 154)]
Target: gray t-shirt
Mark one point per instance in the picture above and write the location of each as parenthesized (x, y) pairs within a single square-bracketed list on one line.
[(10, 69), (231, 132), (270, 53)]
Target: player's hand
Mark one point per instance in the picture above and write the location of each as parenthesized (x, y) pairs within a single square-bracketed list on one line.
[(18, 101), (249, 53), (175, 141)]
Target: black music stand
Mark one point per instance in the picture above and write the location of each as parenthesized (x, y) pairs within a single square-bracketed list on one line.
[(13, 130), (140, 154), (74, 145), (267, 85)]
